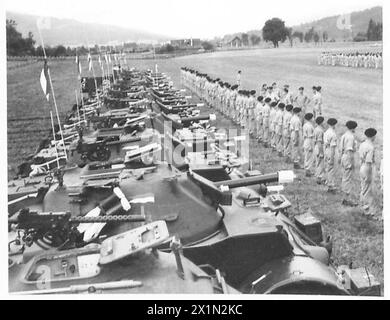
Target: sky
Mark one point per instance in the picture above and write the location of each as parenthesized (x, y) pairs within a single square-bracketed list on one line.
[(189, 18)]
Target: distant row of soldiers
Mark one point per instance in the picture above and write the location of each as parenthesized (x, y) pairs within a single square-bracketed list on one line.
[(283, 125), (355, 60)]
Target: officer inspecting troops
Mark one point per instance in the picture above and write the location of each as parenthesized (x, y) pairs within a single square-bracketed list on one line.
[(348, 146)]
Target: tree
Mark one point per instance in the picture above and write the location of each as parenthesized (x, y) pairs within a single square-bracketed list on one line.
[(207, 45), (245, 39), (255, 39), (16, 44), (274, 30), (309, 35), (299, 35), (316, 38), (325, 36), (374, 31), (59, 51)]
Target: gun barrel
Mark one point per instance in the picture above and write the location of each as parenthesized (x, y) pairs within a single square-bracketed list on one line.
[(278, 177)]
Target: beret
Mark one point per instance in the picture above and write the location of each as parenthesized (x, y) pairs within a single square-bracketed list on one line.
[(319, 88), (301, 88), (332, 121), (260, 98), (314, 88), (370, 132), (289, 107), (320, 120), (281, 105), (253, 92), (351, 124), (309, 116), (297, 110), (267, 99), (273, 104)]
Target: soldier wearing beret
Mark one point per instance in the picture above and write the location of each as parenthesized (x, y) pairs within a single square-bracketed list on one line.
[(295, 132), (259, 118), (348, 146), (308, 144), (272, 124), (319, 150), (330, 144), (367, 162), (266, 124), (279, 129), (286, 132), (251, 112)]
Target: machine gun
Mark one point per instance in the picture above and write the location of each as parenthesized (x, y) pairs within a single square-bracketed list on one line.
[(219, 191), (57, 229)]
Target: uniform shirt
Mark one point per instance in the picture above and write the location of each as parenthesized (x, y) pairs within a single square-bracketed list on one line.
[(272, 116), (295, 126), (330, 139), (347, 142), (259, 112), (286, 123), (367, 152), (266, 114), (279, 122), (318, 135), (308, 134), (301, 100)]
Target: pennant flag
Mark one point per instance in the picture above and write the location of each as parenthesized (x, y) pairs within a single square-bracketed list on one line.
[(44, 23), (78, 63), (89, 62), (106, 58), (44, 80)]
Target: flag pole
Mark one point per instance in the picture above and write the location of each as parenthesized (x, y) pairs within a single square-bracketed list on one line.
[(54, 137), (52, 90), (77, 106)]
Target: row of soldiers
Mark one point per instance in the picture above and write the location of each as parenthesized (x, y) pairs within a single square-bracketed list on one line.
[(287, 128), (371, 60)]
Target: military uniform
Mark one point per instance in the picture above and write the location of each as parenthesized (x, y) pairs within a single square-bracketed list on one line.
[(348, 147), (319, 150), (308, 144), (286, 132), (367, 161), (266, 124), (272, 124), (330, 144), (295, 132), (279, 129)]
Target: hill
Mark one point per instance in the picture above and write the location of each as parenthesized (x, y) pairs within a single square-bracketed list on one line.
[(358, 20), (70, 32)]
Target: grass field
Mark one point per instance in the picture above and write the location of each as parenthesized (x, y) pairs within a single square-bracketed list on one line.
[(347, 93)]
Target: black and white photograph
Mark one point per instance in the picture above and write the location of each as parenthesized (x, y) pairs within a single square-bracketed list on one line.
[(205, 149)]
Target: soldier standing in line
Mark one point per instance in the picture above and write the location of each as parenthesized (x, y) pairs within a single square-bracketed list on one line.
[(295, 132), (308, 144), (266, 124), (348, 146), (319, 150), (316, 102), (330, 143), (259, 118), (286, 132), (279, 129), (233, 98), (272, 124), (367, 162), (252, 116)]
